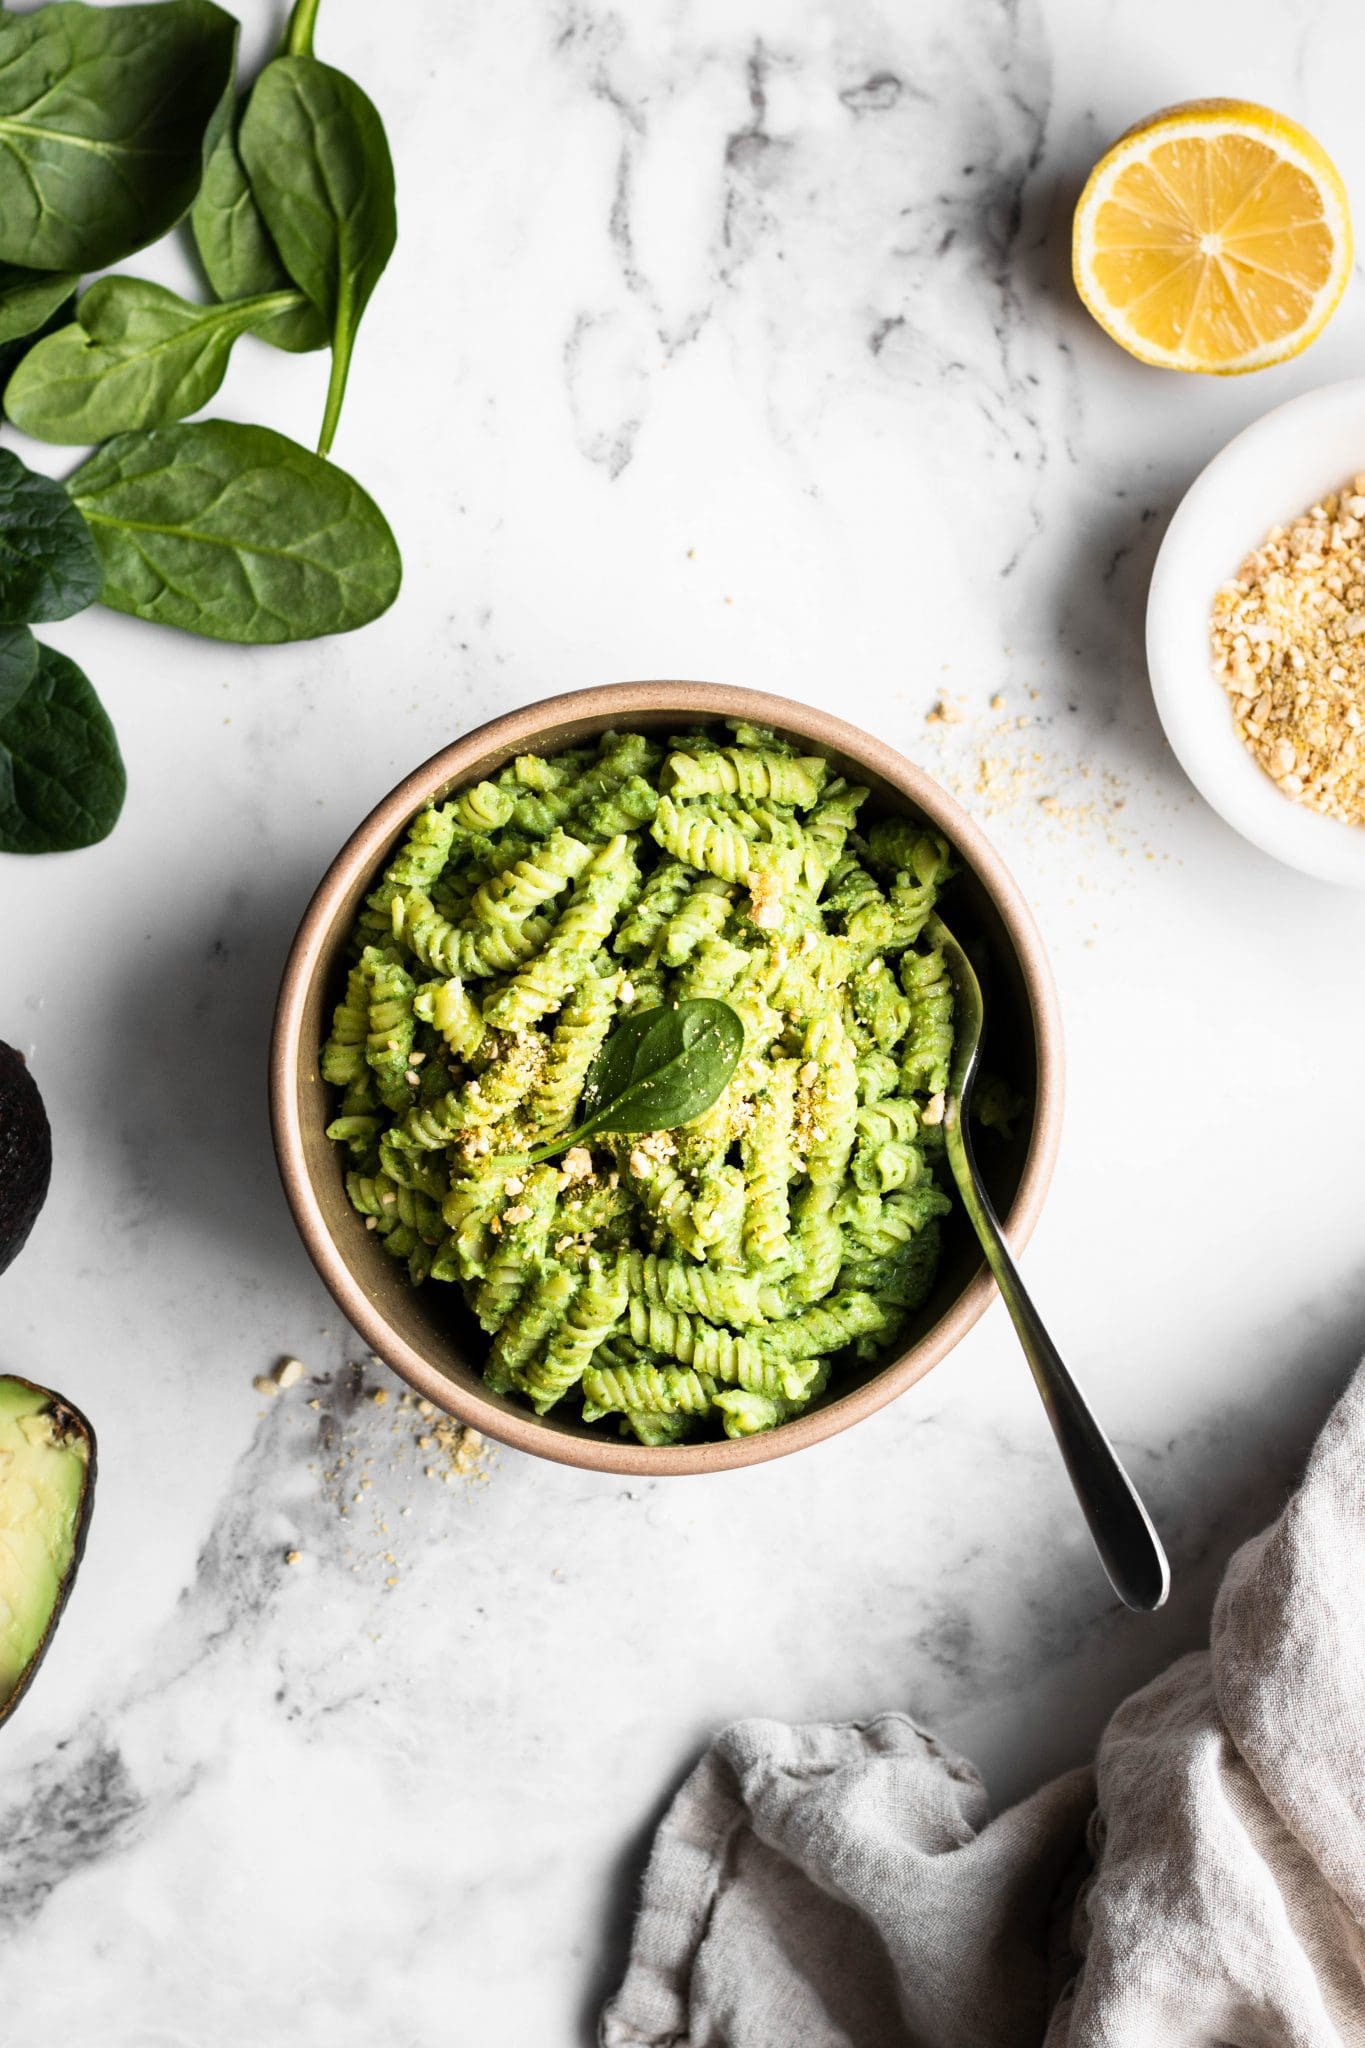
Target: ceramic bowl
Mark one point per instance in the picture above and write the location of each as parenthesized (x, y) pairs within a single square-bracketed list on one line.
[(1267, 476), (425, 1333)]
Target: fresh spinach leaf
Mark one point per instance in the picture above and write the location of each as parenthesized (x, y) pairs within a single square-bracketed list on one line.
[(12, 353), (135, 356), (236, 533), (48, 564), (659, 1069), (104, 114), (239, 258), (315, 152), (62, 781), (18, 665), (29, 298)]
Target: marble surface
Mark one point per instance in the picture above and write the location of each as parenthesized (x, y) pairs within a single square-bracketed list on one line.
[(731, 341)]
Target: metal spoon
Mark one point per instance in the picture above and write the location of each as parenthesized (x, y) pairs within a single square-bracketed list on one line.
[(1129, 1547)]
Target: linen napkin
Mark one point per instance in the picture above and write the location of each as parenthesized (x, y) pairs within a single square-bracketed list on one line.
[(844, 1887)]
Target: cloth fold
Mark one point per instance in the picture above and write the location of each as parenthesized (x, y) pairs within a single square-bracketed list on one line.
[(844, 1887)]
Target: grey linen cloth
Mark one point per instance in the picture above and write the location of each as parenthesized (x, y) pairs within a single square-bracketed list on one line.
[(844, 1887)]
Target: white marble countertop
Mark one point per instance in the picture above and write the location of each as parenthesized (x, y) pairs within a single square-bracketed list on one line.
[(733, 342)]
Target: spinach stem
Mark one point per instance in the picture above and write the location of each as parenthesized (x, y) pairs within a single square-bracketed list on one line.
[(298, 37), (343, 337), (336, 391)]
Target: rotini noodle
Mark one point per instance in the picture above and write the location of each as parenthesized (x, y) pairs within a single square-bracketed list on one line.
[(672, 1282)]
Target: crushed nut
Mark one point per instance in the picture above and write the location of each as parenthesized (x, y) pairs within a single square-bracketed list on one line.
[(1289, 647), (575, 1165), (288, 1372), (765, 899)]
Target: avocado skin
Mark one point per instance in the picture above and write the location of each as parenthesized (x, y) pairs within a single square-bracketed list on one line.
[(71, 1422), (25, 1153)]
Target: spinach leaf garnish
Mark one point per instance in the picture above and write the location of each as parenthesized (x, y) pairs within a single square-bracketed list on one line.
[(61, 776), (236, 533), (659, 1069)]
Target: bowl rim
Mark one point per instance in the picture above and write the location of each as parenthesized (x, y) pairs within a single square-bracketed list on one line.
[(447, 768), (1235, 494)]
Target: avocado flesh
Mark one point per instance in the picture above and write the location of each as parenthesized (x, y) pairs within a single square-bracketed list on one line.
[(25, 1153), (46, 1472)]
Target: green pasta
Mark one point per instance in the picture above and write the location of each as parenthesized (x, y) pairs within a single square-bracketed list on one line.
[(669, 1283)]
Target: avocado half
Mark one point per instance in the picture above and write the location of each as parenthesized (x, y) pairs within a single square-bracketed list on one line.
[(25, 1153), (47, 1484)]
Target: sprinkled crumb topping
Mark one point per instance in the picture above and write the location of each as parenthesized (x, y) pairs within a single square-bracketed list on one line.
[(576, 1165), (653, 1149), (765, 899)]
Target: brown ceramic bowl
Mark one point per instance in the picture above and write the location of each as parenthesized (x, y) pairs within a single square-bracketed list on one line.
[(425, 1333)]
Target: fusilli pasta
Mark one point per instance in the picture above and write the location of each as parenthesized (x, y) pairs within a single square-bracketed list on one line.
[(668, 1282)]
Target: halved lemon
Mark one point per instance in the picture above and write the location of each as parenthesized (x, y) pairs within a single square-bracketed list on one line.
[(1214, 236)]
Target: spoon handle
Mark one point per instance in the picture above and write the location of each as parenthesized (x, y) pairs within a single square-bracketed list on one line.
[(1129, 1547)]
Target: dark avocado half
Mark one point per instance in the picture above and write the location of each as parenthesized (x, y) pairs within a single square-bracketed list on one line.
[(25, 1153), (47, 1484)]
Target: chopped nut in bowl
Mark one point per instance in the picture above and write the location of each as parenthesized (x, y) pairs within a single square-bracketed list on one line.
[(1256, 633)]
